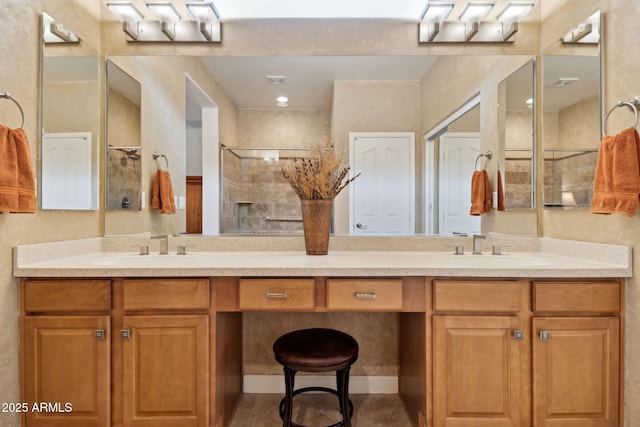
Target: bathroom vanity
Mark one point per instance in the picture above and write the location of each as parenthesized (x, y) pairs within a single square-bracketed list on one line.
[(521, 339)]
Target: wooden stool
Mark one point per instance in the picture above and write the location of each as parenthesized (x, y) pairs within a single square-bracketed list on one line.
[(316, 350)]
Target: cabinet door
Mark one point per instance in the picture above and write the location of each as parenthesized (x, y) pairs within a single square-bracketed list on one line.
[(165, 375), (67, 370), (576, 372), (476, 371)]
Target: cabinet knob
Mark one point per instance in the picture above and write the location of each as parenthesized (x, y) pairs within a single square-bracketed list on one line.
[(544, 335), (518, 335), (125, 334), (99, 334)]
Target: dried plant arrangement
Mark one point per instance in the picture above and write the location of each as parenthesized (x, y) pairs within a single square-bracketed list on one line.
[(321, 175)]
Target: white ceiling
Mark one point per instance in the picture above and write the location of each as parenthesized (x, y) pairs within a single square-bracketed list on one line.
[(309, 79)]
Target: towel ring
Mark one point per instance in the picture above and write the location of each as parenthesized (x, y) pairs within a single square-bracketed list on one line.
[(488, 155), (631, 104), (156, 156), (7, 95)]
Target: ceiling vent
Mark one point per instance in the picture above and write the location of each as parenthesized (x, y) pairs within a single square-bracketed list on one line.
[(564, 81), (275, 80)]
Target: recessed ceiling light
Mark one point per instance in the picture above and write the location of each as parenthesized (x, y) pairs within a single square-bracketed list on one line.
[(282, 99), (282, 104)]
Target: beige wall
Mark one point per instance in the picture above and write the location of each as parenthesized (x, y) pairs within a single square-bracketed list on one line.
[(20, 77)]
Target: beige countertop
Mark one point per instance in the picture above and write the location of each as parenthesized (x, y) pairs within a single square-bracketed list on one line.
[(532, 258)]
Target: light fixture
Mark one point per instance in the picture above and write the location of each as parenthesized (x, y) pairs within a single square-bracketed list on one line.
[(432, 17), (208, 19), (54, 32), (130, 17), (282, 99), (588, 32), (472, 15), (168, 24), (472, 24), (475, 12), (168, 16), (514, 12)]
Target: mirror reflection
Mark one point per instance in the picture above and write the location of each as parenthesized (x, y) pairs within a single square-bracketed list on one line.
[(124, 152), (206, 100), (70, 120), (516, 135), (572, 115), (457, 153)]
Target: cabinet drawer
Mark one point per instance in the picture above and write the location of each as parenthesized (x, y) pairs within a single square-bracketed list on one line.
[(67, 295), (364, 294), (471, 296), (166, 294), (601, 297), (276, 294)]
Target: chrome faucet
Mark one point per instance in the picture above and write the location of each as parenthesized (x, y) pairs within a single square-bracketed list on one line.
[(477, 243), (164, 243)]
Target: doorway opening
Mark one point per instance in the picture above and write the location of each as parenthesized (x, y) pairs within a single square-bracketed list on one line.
[(203, 161)]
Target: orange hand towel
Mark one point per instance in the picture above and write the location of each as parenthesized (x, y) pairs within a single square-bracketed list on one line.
[(162, 193), (616, 186), (501, 206), (17, 180), (480, 193)]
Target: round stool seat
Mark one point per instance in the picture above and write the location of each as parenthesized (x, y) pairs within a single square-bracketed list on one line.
[(316, 350)]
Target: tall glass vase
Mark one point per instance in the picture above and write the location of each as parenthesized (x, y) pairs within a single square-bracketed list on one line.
[(316, 219)]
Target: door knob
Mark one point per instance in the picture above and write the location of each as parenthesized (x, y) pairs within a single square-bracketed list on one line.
[(360, 226)]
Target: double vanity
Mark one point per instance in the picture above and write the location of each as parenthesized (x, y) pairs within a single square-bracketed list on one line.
[(531, 337)]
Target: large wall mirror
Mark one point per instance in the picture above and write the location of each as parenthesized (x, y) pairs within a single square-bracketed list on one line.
[(572, 115), (70, 119), (364, 100), (124, 151)]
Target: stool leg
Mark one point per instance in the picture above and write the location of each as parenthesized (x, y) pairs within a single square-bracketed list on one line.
[(342, 379), (289, 379)]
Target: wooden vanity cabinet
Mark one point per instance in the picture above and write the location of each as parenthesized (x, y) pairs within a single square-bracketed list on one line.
[(163, 347), (576, 354), (478, 348), (473, 352), (66, 352)]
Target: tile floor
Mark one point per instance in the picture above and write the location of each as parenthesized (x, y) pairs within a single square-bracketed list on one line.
[(370, 410)]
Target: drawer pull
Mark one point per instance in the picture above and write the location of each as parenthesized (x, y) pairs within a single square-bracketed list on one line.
[(365, 295), (518, 335), (99, 334), (544, 335), (276, 295), (125, 334)]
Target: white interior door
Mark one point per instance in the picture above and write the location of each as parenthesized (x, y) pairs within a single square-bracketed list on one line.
[(67, 171), (458, 153), (383, 201)]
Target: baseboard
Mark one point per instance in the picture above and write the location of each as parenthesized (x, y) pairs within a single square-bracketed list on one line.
[(357, 384)]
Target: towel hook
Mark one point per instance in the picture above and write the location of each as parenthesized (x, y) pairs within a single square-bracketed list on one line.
[(487, 155), (632, 104), (156, 156), (7, 95)]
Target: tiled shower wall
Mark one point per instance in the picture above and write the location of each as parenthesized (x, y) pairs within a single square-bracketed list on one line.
[(257, 198), (517, 192), (571, 173)]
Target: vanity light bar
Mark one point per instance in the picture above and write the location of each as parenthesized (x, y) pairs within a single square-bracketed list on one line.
[(471, 26), (166, 23)]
